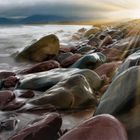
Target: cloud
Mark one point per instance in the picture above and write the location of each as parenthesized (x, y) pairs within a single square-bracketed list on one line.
[(95, 9)]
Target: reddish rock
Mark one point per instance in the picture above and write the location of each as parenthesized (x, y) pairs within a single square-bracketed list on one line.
[(11, 81), (70, 60), (5, 97), (45, 128), (64, 49), (13, 105), (106, 41), (114, 54), (63, 56), (6, 74), (102, 127), (108, 69), (27, 94), (43, 66)]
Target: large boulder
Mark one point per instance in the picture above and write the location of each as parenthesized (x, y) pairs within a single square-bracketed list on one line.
[(22, 125), (131, 61), (41, 50), (72, 93), (122, 99), (90, 61), (102, 127), (44, 80)]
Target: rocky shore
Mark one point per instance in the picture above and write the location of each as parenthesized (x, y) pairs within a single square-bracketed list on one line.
[(90, 91)]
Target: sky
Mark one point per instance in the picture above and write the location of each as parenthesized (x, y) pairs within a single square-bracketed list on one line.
[(92, 9)]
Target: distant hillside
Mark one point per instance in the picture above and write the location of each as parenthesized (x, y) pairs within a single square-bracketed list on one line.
[(34, 19), (6, 21)]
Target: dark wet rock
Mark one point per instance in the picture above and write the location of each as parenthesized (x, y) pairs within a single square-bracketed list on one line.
[(8, 124), (84, 49), (64, 49), (122, 99), (72, 93), (44, 128), (131, 61), (43, 66), (5, 97), (62, 56), (102, 127), (13, 105), (94, 41), (115, 33), (91, 31), (11, 81), (106, 41), (70, 60), (90, 61), (6, 74), (41, 50), (45, 80), (24, 93)]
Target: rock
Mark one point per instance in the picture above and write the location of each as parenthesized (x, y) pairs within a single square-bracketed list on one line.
[(45, 128), (108, 69), (5, 97), (102, 127), (6, 74), (91, 31), (70, 60), (43, 66), (39, 51), (8, 124), (106, 41), (75, 92), (45, 80), (62, 56), (24, 93), (126, 43), (90, 61), (94, 41), (131, 61), (84, 49), (113, 54), (122, 99), (11, 81), (13, 105)]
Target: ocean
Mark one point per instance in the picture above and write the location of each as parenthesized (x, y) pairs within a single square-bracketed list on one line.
[(15, 38)]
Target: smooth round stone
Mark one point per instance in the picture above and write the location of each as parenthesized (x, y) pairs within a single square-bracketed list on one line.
[(84, 49), (62, 56), (102, 127), (9, 82), (5, 97), (43, 66), (91, 31), (44, 128), (39, 51), (90, 61), (75, 92), (70, 60), (94, 41), (106, 41), (131, 61), (122, 99), (113, 54), (6, 74), (108, 69), (45, 80)]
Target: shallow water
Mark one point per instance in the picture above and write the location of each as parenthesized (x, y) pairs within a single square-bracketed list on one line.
[(15, 38)]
